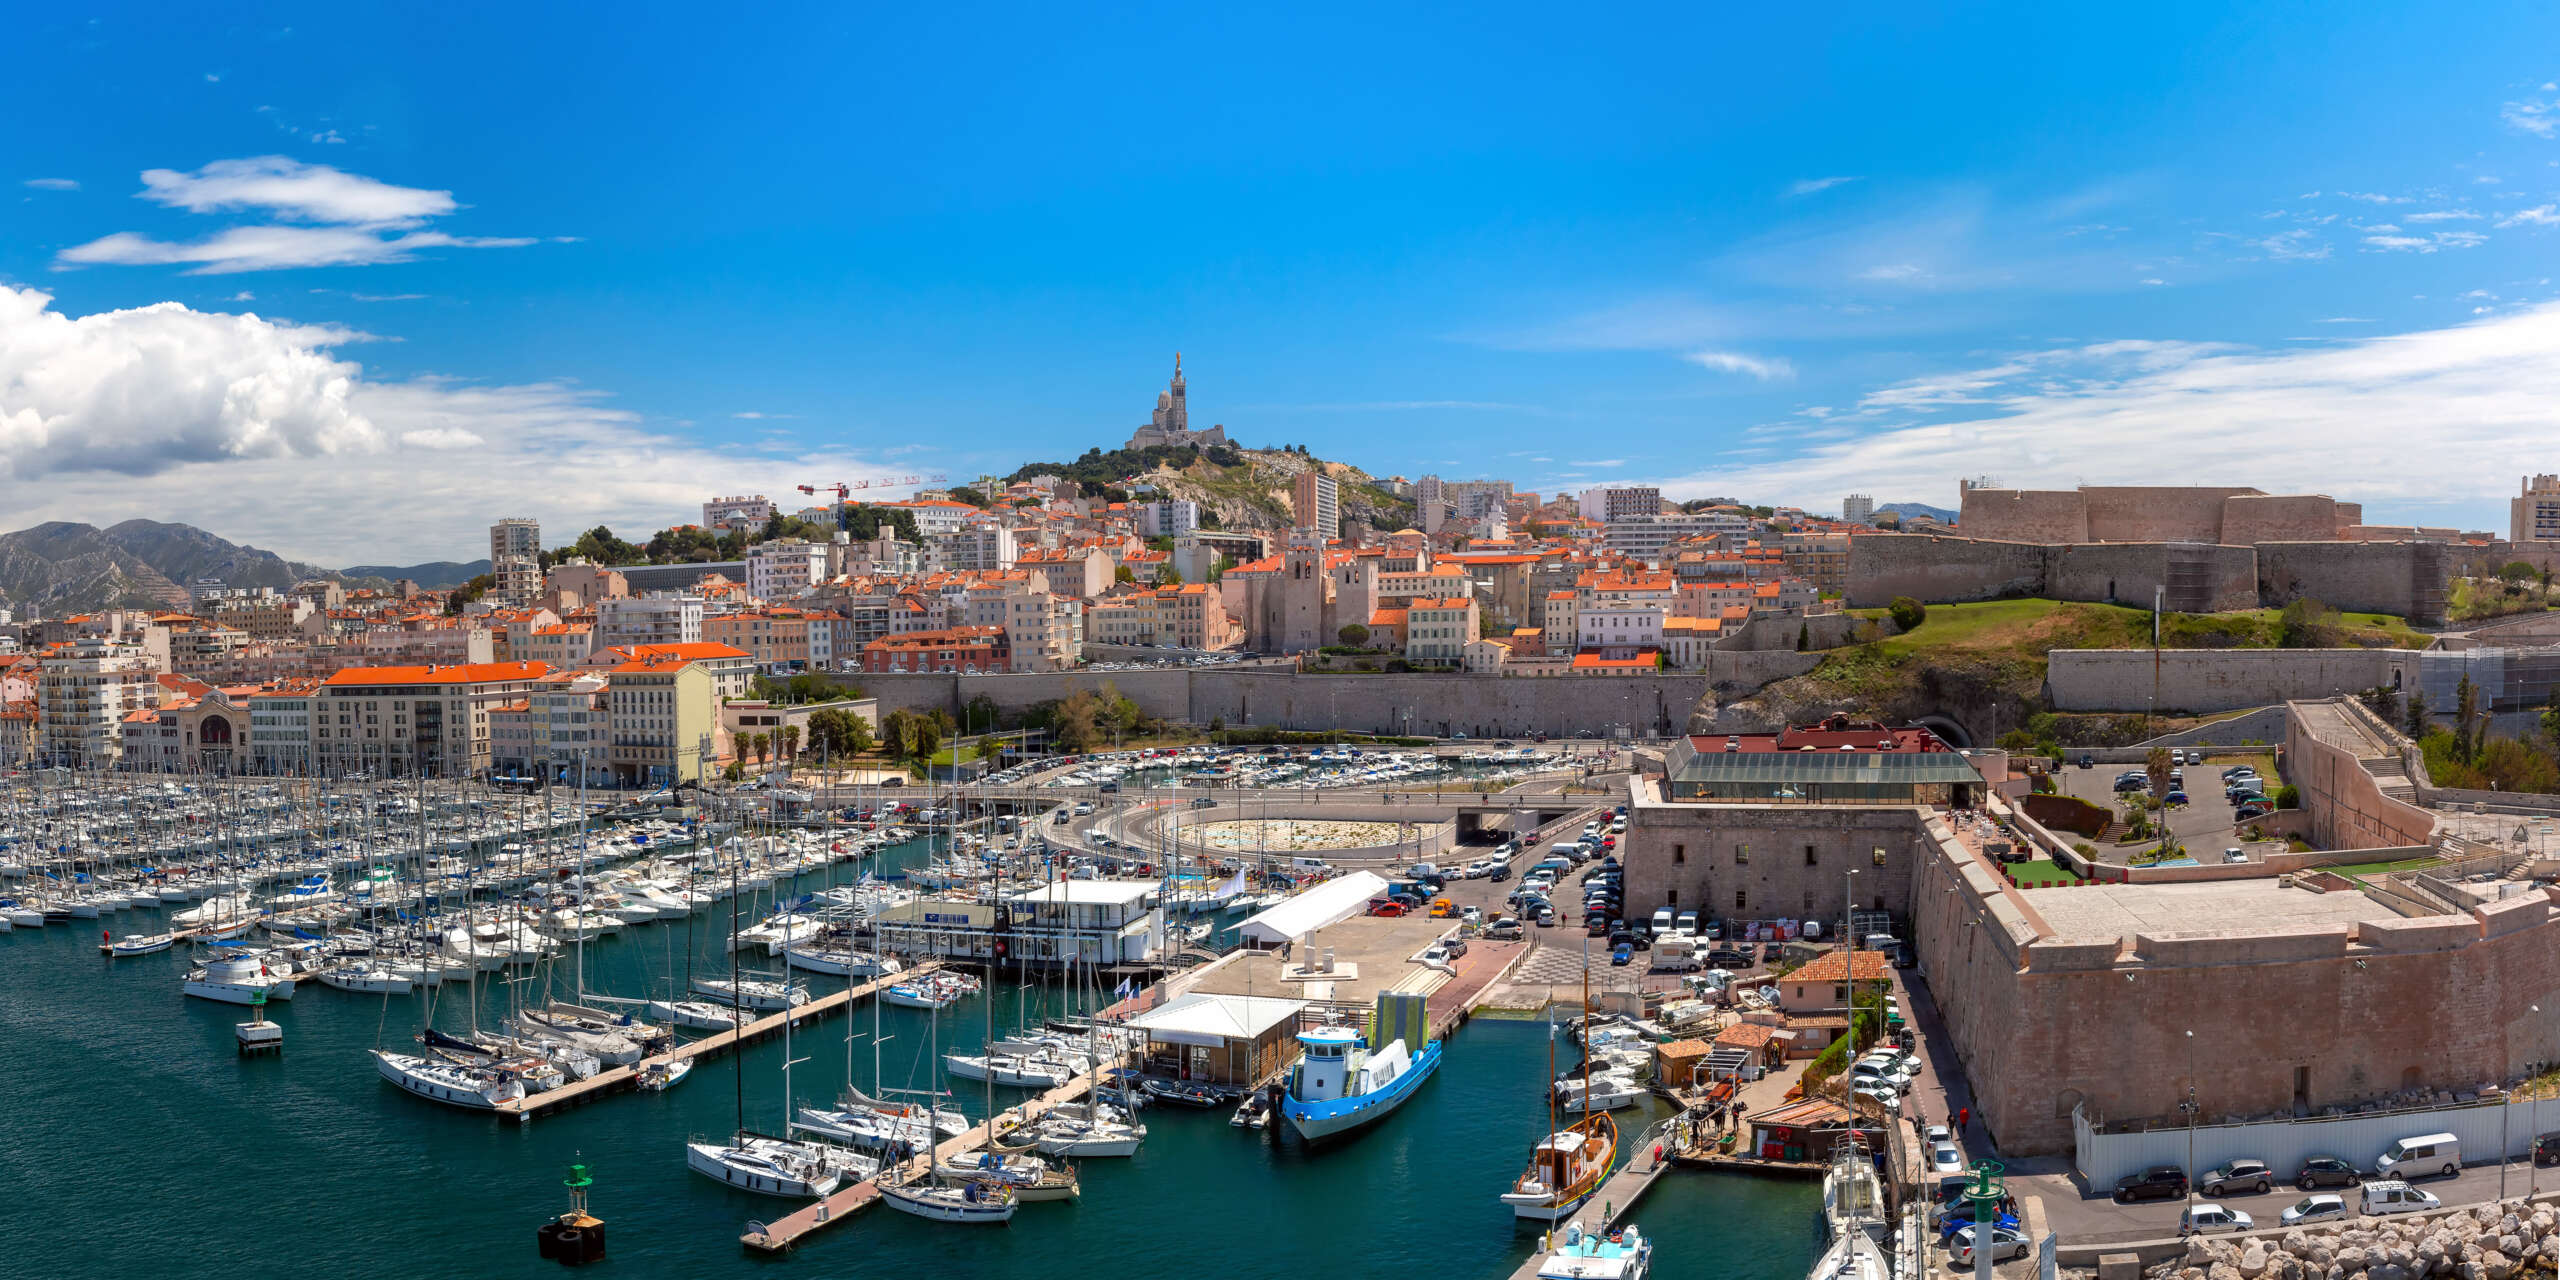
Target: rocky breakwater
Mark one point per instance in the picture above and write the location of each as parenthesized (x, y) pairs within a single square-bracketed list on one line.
[(2488, 1242)]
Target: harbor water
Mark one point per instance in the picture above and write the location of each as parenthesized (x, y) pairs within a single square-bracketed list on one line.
[(138, 1141)]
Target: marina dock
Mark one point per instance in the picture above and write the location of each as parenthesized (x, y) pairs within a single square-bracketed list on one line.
[(783, 1233), (526, 1108)]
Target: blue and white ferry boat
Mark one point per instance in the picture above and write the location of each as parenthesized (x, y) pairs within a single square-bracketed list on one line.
[(1342, 1083)]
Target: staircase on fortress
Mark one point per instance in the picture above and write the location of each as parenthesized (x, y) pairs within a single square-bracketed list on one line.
[(2392, 777)]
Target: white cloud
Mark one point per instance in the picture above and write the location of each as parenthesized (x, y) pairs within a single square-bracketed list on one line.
[(2339, 417), (2371, 197), (244, 296), (1894, 271), (1811, 185), (2536, 116), (53, 184), (1765, 368), (2427, 243), (288, 188), (1597, 462), (257, 430), (2293, 246), (2346, 320), (2541, 215), (211, 78), (2154, 280), (365, 221), (270, 248), (2443, 215), (756, 415)]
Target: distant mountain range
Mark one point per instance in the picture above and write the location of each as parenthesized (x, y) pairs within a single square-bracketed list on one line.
[(62, 567), (435, 575), (1906, 509)]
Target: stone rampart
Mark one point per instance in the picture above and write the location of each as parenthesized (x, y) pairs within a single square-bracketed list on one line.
[(2199, 681), (2288, 517), (2195, 577), (2023, 515), (2158, 513), (1931, 569), (2194, 950), (2404, 578), (2347, 806)]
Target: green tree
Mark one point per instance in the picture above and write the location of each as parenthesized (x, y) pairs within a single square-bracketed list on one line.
[(1804, 636), (790, 741), (2551, 721), (897, 734), (760, 745), (2517, 571), (2466, 721), (2156, 766), (979, 715), (1907, 613), (2416, 708), (2306, 623), (1120, 573), (1354, 634), (964, 493), (857, 735), (463, 595)]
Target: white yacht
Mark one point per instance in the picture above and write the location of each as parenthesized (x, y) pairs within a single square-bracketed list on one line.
[(762, 997), (777, 1166), (694, 1015), (455, 1085), (967, 1202), (236, 978), (1619, 1254)]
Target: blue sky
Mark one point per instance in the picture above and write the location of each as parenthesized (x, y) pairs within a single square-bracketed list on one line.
[(350, 285)]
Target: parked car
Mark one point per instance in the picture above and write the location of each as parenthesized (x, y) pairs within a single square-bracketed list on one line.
[(2088, 761), (1385, 907), (2006, 1243), (2314, 1209), (1728, 958), (1622, 954), (1937, 1133), (2395, 1197), (2159, 1182), (2212, 1219), (2237, 1175), (1471, 915), (2132, 782), (2174, 798), (2546, 1149), (2326, 1171), (1944, 1158), (2252, 810), (1505, 929)]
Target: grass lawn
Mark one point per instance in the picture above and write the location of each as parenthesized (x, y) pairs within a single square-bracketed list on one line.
[(2030, 628), (2359, 870), (2040, 872)]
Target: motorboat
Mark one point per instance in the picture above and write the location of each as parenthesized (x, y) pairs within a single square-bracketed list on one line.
[(1076, 1131), (137, 944), (661, 1074), (237, 978), (939, 990), (1606, 1092), (1621, 1253), (1183, 1093)]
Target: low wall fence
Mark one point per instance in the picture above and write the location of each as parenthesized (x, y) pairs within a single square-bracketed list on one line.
[(2487, 1128)]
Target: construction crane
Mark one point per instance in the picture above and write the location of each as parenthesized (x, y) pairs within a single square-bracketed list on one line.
[(844, 490)]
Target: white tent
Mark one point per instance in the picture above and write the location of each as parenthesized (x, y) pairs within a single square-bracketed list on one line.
[(1204, 1018), (1335, 900)]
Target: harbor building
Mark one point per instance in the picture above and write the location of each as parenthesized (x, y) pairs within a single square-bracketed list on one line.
[(1092, 923)]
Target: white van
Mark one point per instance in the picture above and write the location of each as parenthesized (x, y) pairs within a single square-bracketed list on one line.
[(2397, 1197), (1675, 954), (2436, 1153), (1662, 922)]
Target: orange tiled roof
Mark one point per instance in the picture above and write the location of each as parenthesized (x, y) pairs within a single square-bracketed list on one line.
[(454, 673)]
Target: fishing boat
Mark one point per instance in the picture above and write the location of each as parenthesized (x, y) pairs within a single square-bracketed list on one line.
[(1570, 1163), (1339, 1084), (1622, 1253), (137, 944)]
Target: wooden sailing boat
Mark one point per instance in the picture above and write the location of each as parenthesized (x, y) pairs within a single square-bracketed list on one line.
[(1570, 1163)]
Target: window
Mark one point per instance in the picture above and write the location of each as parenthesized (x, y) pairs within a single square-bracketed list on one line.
[(1740, 899), (1810, 858), (1679, 854), (1742, 855), (1878, 855)]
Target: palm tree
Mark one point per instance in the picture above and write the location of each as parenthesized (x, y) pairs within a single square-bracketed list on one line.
[(2156, 764), (790, 741), (761, 744)]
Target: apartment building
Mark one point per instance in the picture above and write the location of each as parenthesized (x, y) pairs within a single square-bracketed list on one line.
[(649, 620), (515, 560), (1438, 629), (785, 568), (969, 650), (280, 727), (269, 619), (398, 721), (2533, 515), (1189, 616), (661, 717), (745, 512), (1019, 604), (1620, 502), (979, 547), (733, 670), (1167, 518), (1649, 537), (569, 727), (1315, 502), (84, 689)]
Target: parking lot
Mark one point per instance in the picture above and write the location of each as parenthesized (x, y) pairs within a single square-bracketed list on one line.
[(2203, 825)]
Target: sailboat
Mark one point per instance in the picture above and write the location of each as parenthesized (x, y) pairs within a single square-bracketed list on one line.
[(1852, 1198), (975, 1201), (1570, 1163), (761, 1163), (866, 1121)]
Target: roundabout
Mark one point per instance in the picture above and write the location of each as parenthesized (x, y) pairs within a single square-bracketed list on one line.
[(1296, 835)]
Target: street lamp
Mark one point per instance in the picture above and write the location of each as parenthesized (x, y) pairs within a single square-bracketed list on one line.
[(2189, 1106)]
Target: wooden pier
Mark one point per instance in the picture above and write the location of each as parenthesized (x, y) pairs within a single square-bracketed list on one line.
[(781, 1234), (524, 1109)]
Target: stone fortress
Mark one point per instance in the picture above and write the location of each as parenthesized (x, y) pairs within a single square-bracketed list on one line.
[(2198, 549), (2270, 988)]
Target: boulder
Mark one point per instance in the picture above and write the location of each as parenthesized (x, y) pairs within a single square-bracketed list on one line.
[(2497, 1264), (2350, 1259), (2253, 1260)]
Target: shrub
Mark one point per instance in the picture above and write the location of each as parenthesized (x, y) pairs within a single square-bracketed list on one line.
[(1906, 612)]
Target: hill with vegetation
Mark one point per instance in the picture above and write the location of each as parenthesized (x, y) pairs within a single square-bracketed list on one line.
[(1236, 488)]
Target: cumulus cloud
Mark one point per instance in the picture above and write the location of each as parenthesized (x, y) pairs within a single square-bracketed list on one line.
[(2426, 243), (2536, 116), (261, 431), (1809, 186), (1766, 369), (2341, 417), (2541, 215), (325, 217)]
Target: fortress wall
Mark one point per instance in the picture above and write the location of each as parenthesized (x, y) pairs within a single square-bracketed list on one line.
[(2292, 517), (2158, 513), (2022, 515)]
